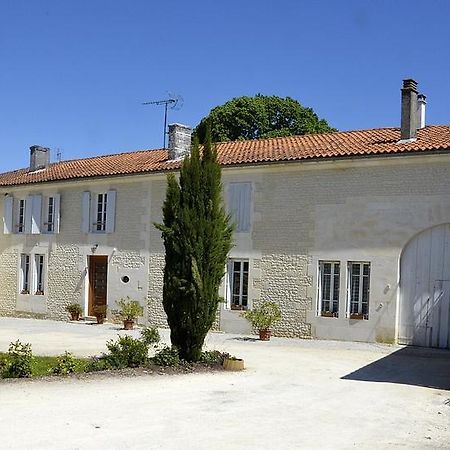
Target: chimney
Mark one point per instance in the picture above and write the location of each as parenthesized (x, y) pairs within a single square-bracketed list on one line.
[(179, 140), (409, 110), (39, 157), (421, 103)]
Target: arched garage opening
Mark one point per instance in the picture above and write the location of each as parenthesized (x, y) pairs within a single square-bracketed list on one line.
[(425, 289)]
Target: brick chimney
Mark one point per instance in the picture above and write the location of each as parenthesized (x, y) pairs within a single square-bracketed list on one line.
[(39, 157), (409, 110), (179, 140)]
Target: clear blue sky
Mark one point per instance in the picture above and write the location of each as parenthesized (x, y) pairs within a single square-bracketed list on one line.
[(73, 74)]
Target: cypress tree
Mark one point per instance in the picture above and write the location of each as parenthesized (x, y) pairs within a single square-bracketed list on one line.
[(197, 235)]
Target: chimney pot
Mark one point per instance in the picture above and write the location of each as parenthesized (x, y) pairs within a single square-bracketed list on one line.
[(39, 157), (421, 104), (409, 110), (180, 137)]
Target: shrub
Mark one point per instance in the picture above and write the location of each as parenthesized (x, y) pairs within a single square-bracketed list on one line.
[(211, 357), (150, 335), (97, 364), (65, 364), (126, 352), (129, 309), (18, 361), (263, 316), (167, 356), (74, 308)]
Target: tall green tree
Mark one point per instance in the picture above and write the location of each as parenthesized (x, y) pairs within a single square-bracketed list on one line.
[(197, 235), (259, 117)]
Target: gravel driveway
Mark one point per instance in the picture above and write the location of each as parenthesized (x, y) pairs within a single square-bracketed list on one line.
[(293, 394)]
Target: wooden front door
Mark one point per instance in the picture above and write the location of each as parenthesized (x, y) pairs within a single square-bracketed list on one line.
[(98, 277)]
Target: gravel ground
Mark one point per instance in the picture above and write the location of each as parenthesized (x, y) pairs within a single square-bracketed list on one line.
[(293, 394)]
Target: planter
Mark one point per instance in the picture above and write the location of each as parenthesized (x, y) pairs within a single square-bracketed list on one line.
[(328, 314), (75, 316), (237, 308), (128, 324), (357, 316), (264, 335), (100, 319), (233, 364)]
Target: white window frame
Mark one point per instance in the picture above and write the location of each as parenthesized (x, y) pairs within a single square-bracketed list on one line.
[(39, 274), (333, 312), (98, 212), (21, 215), (243, 300), (50, 215), (360, 312), (25, 273)]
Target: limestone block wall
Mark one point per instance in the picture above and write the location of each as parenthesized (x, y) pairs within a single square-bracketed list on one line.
[(8, 281), (65, 280)]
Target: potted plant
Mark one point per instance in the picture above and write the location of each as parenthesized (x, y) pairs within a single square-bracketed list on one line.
[(232, 363), (262, 317), (129, 311), (328, 314), (75, 311), (100, 313)]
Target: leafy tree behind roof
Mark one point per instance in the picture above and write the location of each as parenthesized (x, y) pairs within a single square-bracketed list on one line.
[(260, 117)]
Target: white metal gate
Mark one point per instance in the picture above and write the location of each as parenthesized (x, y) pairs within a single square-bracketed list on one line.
[(425, 289)]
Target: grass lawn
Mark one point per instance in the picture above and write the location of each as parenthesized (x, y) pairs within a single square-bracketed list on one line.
[(42, 365)]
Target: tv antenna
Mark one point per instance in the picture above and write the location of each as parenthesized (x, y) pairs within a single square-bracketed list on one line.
[(58, 154), (175, 102)]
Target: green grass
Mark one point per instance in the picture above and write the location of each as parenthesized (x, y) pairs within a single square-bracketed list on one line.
[(42, 365)]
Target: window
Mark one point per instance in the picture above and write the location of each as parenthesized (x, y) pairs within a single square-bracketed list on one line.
[(359, 286), (39, 270), (239, 201), (25, 273), (102, 200), (329, 279), (32, 273), (50, 224), (21, 217), (98, 212), (238, 279)]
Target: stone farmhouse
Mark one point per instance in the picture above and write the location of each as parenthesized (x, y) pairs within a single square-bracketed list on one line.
[(349, 232)]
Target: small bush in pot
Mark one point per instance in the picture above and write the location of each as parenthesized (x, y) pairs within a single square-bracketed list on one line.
[(129, 311), (262, 317), (100, 313), (75, 310)]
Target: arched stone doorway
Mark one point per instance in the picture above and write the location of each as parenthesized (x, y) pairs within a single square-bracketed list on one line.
[(425, 289)]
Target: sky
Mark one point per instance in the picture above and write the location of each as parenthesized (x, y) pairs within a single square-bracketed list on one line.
[(74, 74)]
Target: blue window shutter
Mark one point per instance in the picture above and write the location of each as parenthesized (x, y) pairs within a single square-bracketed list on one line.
[(86, 212), (36, 211), (28, 213), (57, 208), (8, 215), (110, 211)]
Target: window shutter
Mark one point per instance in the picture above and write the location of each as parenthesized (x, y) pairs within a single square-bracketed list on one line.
[(36, 209), (239, 201), (228, 283), (57, 203), (110, 211), (28, 213), (8, 215), (86, 212)]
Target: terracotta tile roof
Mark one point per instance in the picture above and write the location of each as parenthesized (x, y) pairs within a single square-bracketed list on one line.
[(293, 148)]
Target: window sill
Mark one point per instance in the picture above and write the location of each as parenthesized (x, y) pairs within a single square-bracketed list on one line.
[(359, 317), (329, 314)]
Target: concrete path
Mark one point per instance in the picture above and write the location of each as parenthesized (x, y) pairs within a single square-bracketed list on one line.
[(293, 394)]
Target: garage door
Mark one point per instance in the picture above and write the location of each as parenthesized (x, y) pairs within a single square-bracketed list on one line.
[(425, 289)]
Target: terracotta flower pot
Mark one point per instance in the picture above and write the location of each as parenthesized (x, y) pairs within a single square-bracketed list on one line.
[(100, 318), (75, 316), (128, 324), (233, 364), (264, 335)]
